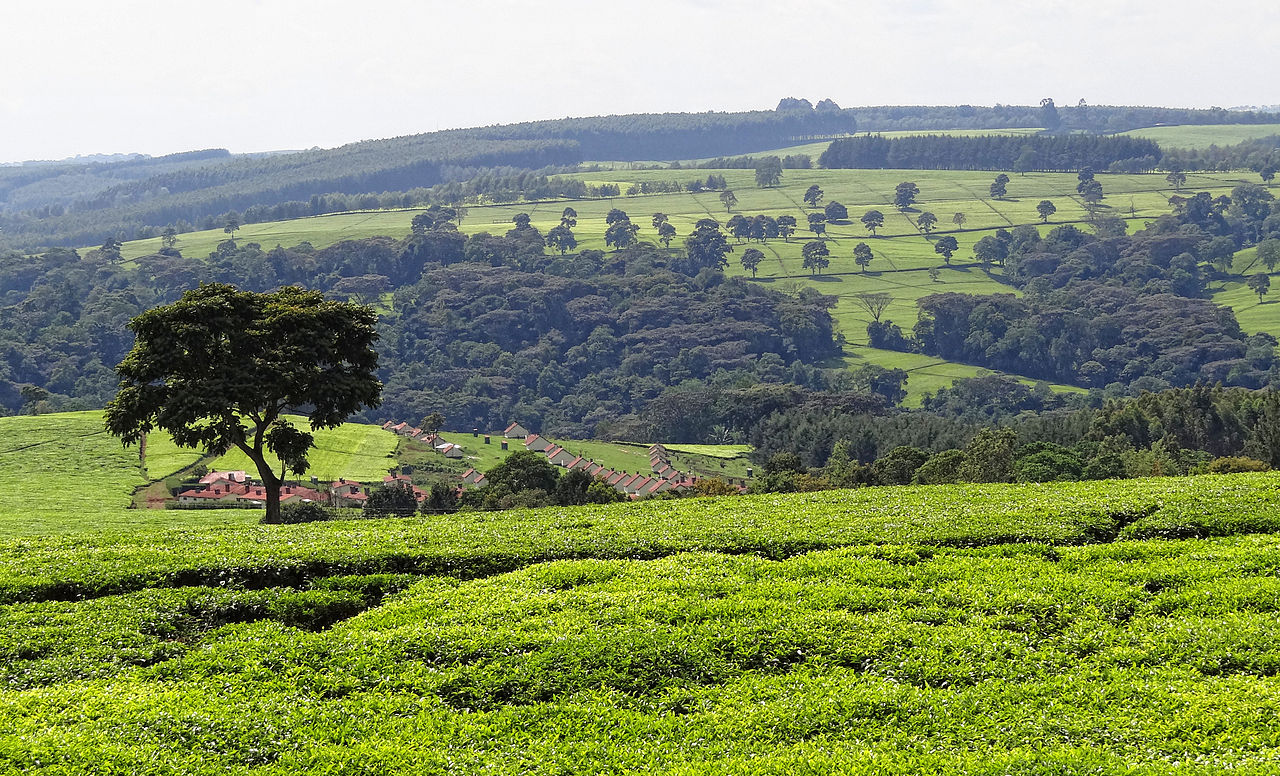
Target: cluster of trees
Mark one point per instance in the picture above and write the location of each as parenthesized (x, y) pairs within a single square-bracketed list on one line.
[(1054, 118), (1261, 155), (1019, 153)]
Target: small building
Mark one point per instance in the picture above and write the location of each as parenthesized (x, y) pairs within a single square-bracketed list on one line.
[(515, 431), (559, 456), (536, 443), (449, 450)]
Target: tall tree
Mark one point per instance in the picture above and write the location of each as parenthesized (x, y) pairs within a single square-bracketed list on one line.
[(169, 237), (958, 219), (707, 247), (815, 256), (1046, 209), (620, 234), (751, 259), (666, 233), (569, 218), (728, 199), (1177, 179), (1269, 253), (659, 219), (836, 211), (739, 226), (873, 220), (862, 256), (813, 195), (927, 221), (220, 367)]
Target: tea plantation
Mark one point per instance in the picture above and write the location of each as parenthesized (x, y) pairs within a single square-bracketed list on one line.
[(1114, 627)]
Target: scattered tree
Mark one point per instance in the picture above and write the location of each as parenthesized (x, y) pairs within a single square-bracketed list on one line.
[(874, 303), (111, 251), (1091, 192), (666, 233), (659, 219), (818, 223), (392, 499), (1000, 186), (904, 196), (432, 423), (836, 211), (958, 219), (873, 220), (1260, 283), (231, 224), (1046, 209), (751, 259), (946, 246), (219, 358), (862, 256), (707, 247), (927, 221), (934, 274), (521, 220), (786, 226), (169, 237), (728, 199), (990, 250), (569, 218), (815, 255), (812, 196), (768, 171), (1269, 253), (1176, 179), (561, 238)]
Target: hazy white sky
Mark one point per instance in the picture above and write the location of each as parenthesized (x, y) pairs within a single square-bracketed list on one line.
[(158, 76)]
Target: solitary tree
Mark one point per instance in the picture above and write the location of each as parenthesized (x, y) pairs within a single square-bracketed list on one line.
[(873, 220), (1000, 186), (927, 221), (169, 237), (946, 246), (786, 226), (110, 251), (904, 196), (1260, 283), (569, 218), (432, 423), (934, 274), (1176, 179), (813, 195), (621, 233), (751, 259), (1268, 174), (220, 367), (707, 247), (1269, 253), (1046, 209), (231, 224), (728, 199), (768, 171), (958, 219), (862, 256), (815, 255), (1091, 191), (874, 303), (659, 219)]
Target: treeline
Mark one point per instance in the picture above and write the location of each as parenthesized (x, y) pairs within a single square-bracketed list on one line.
[(1173, 432), (1055, 118), (1019, 153), (1262, 155)]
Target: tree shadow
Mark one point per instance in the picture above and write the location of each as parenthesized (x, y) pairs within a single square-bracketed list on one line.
[(827, 278)]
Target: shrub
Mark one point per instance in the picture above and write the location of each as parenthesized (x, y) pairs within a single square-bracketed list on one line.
[(1237, 463), (391, 500), (308, 512)]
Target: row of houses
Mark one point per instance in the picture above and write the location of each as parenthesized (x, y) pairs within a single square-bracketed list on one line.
[(437, 443), (238, 488)]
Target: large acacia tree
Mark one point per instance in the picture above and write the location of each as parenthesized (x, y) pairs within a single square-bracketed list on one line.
[(220, 367)]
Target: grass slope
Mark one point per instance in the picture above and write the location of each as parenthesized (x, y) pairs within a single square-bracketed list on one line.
[(1204, 135), (954, 630), (64, 471), (353, 450)]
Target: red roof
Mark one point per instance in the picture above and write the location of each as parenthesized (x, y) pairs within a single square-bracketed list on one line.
[(508, 428)]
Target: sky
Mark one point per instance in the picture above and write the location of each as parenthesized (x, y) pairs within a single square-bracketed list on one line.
[(160, 76)]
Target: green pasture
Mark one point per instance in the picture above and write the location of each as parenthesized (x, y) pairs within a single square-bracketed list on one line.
[(700, 460), (1113, 627), (1204, 135), (903, 253), (353, 450)]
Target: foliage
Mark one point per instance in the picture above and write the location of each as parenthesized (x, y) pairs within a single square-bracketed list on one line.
[(990, 152), (391, 500), (291, 514)]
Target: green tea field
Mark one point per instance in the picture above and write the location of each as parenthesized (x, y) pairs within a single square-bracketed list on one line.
[(1108, 627), (353, 450)]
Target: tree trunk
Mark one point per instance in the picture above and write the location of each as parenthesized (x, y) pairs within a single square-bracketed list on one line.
[(270, 483)]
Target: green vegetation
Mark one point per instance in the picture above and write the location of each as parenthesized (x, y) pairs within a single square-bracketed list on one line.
[(1205, 135), (353, 450), (879, 630)]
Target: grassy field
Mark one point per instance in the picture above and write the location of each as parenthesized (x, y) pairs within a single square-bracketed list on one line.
[(1203, 136), (903, 254), (352, 450), (1061, 628)]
